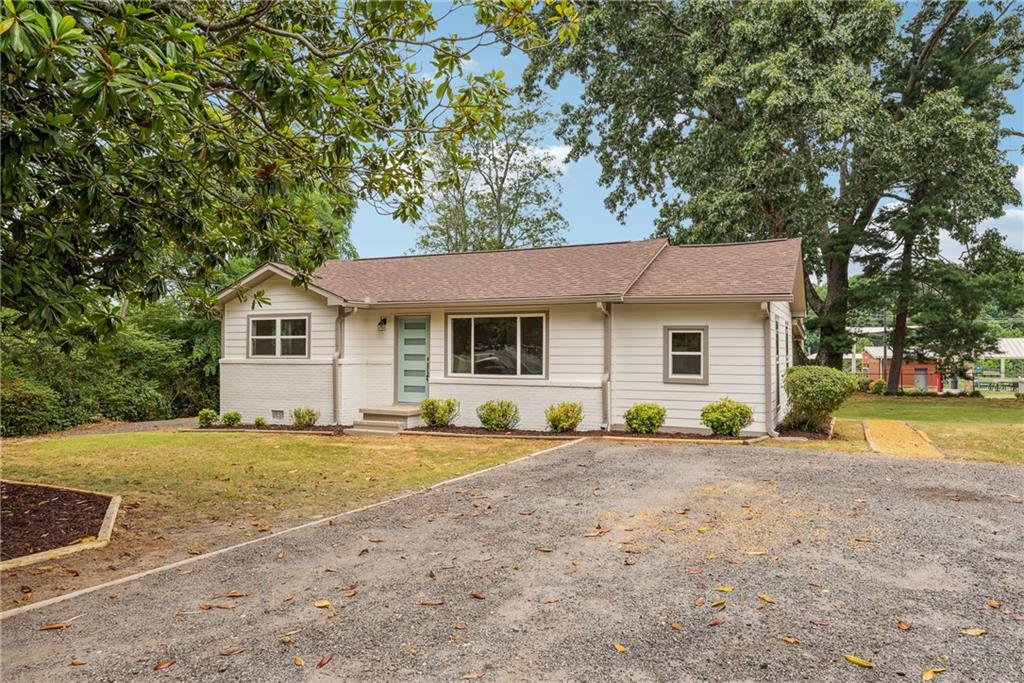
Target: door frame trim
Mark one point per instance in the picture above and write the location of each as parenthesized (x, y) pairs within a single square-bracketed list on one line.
[(397, 317)]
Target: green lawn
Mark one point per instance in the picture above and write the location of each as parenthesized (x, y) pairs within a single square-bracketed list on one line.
[(971, 428), (179, 479)]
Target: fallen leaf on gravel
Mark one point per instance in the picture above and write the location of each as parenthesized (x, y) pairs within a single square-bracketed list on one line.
[(694, 570), (599, 531), (55, 626), (205, 606), (863, 539), (478, 595), (325, 660), (736, 562), (973, 631), (286, 640), (619, 647), (231, 594), (818, 622), (352, 593), (766, 598), (724, 589), (859, 661), (224, 605), (676, 626), (1017, 617), (717, 622), (460, 626), (322, 604), (76, 662), (331, 570), (280, 555), (299, 661), (791, 640), (994, 604), (702, 530), (699, 602), (364, 551), (812, 584), (431, 603), (287, 598), (473, 676), (163, 664), (902, 625), (929, 674), (719, 603), (630, 561), (550, 601), (682, 511), (527, 513), (542, 549), (232, 650)]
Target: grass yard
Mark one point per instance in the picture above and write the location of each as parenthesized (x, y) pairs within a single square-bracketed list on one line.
[(180, 479), (969, 428)]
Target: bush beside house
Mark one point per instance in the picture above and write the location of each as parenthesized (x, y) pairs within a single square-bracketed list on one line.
[(437, 412), (564, 417), (726, 417), (814, 393), (498, 416), (645, 418)]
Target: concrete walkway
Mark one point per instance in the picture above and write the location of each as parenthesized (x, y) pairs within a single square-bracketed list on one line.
[(600, 561), (894, 437)]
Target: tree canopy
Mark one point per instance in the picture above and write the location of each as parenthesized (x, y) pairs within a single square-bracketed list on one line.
[(496, 193), (149, 142), (849, 124)]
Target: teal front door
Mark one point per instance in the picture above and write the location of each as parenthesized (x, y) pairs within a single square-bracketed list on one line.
[(413, 358)]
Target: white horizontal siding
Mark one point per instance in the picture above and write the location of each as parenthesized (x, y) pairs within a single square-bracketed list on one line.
[(285, 300), (735, 364), (781, 321)]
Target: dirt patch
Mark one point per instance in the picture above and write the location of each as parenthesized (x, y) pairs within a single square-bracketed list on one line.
[(337, 430), (38, 518), (811, 436), (574, 435), (942, 493)]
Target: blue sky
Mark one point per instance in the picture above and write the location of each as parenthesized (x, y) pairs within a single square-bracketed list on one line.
[(582, 196)]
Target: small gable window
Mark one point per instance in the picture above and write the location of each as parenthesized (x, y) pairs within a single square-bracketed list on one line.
[(686, 355), (279, 337)]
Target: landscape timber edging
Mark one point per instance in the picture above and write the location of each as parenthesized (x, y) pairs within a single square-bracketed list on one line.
[(102, 538)]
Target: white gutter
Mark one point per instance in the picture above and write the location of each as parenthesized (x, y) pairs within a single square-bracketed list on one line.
[(339, 351), (769, 417), (606, 375)]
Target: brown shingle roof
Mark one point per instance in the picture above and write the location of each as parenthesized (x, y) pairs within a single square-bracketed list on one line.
[(591, 270), (616, 271), (747, 268)]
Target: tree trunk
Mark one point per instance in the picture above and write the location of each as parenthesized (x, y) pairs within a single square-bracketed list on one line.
[(832, 328), (899, 328)]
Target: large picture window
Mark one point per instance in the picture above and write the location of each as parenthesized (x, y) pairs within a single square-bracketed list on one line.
[(510, 345), (279, 337), (686, 355)]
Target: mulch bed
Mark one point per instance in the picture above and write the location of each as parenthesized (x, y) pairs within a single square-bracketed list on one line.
[(334, 429), (811, 436), (570, 435), (38, 518)]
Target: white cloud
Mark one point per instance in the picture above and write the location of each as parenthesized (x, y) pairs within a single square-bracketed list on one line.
[(556, 155), (1010, 225), (1018, 179)]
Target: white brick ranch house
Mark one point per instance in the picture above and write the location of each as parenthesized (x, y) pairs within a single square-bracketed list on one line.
[(607, 325)]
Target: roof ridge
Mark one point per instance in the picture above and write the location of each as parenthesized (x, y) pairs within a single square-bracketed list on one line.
[(498, 251), (644, 269), (733, 244)]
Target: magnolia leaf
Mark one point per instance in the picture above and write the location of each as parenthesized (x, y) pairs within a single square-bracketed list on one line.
[(232, 650), (791, 640), (676, 626), (973, 631), (718, 603), (929, 674), (902, 625), (163, 664), (351, 594), (478, 595), (431, 603), (725, 589), (299, 661), (322, 604), (717, 622), (76, 662), (473, 676), (619, 647), (699, 602), (766, 598), (994, 604), (325, 660), (542, 549), (859, 661)]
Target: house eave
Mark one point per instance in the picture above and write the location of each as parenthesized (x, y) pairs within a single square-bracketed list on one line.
[(268, 270)]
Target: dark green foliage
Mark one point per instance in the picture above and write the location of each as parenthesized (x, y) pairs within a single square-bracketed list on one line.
[(208, 417), (878, 387), (498, 416), (231, 419), (28, 407), (863, 384), (726, 417), (645, 418), (437, 412), (564, 417), (814, 393), (304, 417)]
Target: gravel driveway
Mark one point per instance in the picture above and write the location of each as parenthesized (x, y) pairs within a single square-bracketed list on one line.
[(545, 565)]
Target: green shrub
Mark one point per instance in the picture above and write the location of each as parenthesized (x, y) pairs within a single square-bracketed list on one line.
[(259, 422), (304, 417), (208, 417), (232, 419), (910, 392), (498, 416), (975, 393), (878, 387), (726, 417), (645, 418), (28, 407), (864, 384), (815, 392), (438, 413), (131, 401), (564, 417)]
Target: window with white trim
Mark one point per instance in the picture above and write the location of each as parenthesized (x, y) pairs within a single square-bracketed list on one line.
[(278, 337), (686, 354), (508, 345)]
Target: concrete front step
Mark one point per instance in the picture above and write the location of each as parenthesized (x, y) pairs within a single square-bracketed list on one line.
[(391, 426)]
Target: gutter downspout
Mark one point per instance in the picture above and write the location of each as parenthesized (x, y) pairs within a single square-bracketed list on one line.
[(769, 418), (339, 352), (606, 375)]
